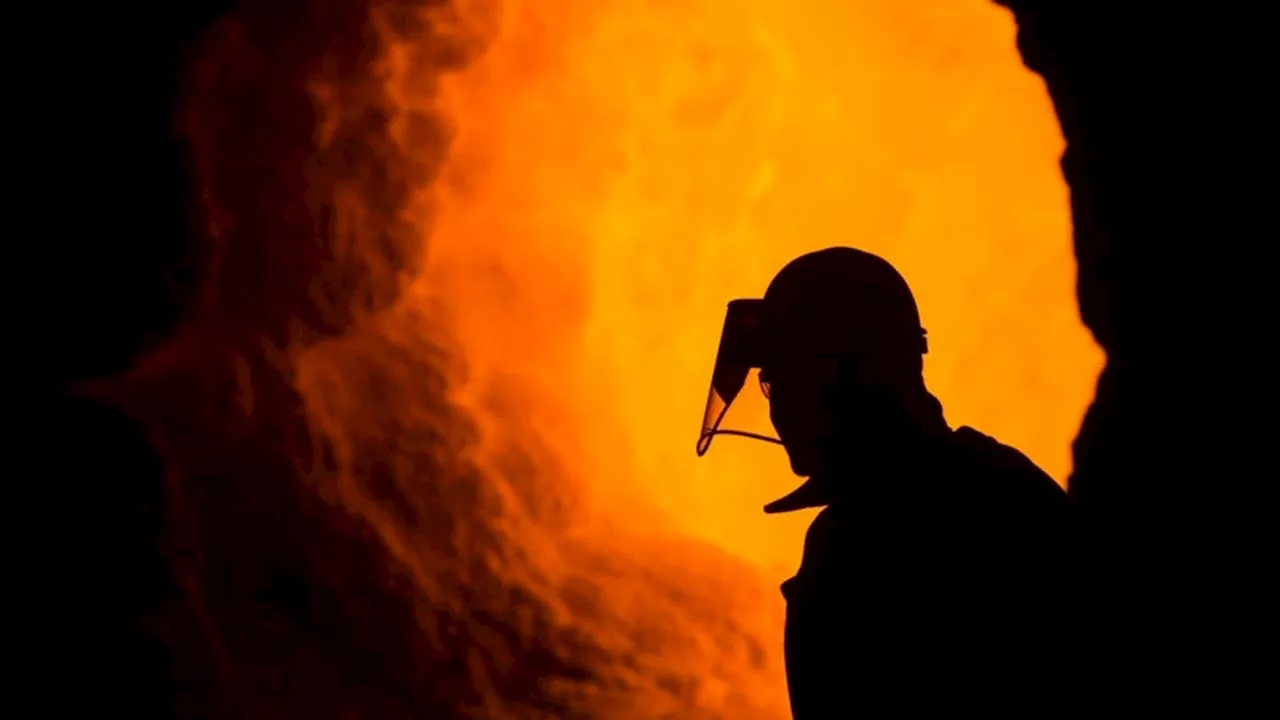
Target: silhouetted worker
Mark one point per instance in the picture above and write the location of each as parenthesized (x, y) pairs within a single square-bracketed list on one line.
[(938, 572)]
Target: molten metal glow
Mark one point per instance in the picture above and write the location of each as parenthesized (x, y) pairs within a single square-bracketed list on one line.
[(623, 168)]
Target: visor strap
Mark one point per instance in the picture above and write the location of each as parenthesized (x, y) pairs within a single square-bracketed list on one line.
[(743, 433)]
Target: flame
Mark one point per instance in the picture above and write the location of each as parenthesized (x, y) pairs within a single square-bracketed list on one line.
[(507, 344), (622, 169)]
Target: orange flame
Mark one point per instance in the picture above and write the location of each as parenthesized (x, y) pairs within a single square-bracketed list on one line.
[(621, 169)]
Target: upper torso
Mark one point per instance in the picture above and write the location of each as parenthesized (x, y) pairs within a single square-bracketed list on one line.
[(956, 574)]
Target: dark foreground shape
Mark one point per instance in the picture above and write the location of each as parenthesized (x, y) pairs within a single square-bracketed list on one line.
[(1171, 157)]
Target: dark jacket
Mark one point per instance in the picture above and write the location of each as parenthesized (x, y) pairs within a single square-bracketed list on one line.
[(944, 586)]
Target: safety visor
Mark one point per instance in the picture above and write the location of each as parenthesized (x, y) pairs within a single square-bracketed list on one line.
[(742, 346)]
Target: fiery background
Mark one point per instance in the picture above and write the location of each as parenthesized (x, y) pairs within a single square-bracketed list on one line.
[(469, 263), (622, 169)]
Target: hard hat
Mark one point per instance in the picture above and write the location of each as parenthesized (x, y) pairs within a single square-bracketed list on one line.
[(834, 302)]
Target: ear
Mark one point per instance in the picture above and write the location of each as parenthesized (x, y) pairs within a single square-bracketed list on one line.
[(924, 342)]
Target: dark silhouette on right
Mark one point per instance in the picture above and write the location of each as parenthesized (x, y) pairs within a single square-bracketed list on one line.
[(939, 573)]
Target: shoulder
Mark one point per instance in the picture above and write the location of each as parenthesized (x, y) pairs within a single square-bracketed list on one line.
[(1008, 470), (991, 454), (995, 454)]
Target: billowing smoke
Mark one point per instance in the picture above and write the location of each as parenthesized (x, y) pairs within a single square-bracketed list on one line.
[(345, 549)]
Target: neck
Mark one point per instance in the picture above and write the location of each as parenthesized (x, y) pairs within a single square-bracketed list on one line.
[(894, 417), (923, 413), (887, 443)]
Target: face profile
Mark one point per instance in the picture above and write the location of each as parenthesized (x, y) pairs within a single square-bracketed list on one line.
[(797, 411)]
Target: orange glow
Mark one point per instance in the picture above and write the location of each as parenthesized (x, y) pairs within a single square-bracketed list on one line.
[(623, 168)]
